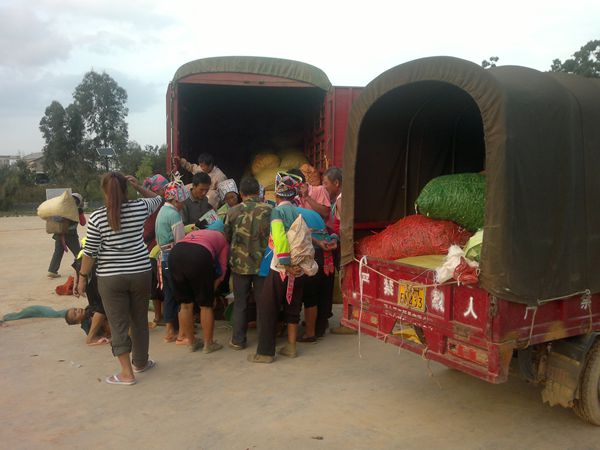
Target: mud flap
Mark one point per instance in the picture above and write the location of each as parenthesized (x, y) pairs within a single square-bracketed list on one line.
[(564, 366)]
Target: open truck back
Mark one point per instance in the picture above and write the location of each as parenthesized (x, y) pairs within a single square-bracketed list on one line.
[(537, 138), (236, 107)]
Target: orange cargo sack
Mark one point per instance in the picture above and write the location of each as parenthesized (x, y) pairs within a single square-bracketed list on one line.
[(415, 235)]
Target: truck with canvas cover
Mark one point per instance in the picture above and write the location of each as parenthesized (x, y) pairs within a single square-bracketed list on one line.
[(238, 107), (535, 139)]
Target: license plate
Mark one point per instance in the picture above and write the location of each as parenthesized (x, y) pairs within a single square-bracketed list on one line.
[(412, 297)]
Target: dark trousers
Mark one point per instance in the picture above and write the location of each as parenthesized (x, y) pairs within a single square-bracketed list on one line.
[(125, 300), (243, 285), (72, 242), (169, 307), (318, 291), (269, 304)]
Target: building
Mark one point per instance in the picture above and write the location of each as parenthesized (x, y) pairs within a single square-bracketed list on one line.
[(7, 160)]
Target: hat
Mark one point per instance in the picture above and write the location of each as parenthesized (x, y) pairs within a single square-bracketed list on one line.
[(225, 187), (78, 197), (177, 191), (155, 182), (287, 184)]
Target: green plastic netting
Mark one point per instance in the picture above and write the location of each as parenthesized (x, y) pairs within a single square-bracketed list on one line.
[(459, 198)]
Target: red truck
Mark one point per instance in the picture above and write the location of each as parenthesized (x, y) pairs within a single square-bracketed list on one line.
[(233, 107), (536, 304)]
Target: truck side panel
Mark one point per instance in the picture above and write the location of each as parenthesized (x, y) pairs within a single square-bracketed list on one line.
[(461, 326)]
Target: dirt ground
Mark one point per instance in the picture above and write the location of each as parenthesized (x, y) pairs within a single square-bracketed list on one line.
[(52, 394)]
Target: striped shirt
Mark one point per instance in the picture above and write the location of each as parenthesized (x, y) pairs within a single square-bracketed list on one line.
[(121, 252)]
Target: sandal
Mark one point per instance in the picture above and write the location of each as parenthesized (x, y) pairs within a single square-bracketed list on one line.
[(149, 365), (114, 379), (307, 339)]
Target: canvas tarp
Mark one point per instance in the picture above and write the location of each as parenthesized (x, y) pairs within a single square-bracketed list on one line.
[(283, 68), (537, 135)]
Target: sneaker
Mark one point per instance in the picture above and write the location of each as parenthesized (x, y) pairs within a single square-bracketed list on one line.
[(53, 275), (235, 346), (264, 359), (209, 348)]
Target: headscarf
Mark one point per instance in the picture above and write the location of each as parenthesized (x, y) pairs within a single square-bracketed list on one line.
[(155, 183), (287, 184), (78, 197), (225, 187), (176, 190)]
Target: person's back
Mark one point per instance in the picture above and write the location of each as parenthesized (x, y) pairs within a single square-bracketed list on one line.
[(247, 228), (122, 251)]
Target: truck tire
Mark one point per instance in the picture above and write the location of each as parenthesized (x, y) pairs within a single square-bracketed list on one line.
[(587, 407)]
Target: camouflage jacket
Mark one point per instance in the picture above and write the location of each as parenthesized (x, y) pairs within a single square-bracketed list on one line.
[(247, 228)]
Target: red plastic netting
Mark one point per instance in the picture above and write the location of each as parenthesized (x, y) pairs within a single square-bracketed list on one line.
[(413, 236)]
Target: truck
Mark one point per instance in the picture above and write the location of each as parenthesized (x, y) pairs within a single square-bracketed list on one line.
[(236, 106), (535, 311)]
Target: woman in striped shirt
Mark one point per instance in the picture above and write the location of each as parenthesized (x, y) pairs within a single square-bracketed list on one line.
[(115, 244)]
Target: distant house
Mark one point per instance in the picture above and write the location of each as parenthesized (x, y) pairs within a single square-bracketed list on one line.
[(35, 161), (7, 160)]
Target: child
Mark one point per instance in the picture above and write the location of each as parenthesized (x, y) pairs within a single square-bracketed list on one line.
[(229, 195)]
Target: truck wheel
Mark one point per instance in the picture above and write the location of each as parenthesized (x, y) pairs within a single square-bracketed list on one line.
[(587, 407)]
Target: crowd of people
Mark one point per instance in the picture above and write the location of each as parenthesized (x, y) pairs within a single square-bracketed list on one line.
[(179, 246)]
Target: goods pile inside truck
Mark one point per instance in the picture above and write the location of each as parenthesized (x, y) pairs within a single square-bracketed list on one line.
[(414, 235), (450, 208), (265, 166), (459, 198)]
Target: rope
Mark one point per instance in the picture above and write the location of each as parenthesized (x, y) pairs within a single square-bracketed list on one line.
[(586, 292), (361, 264), (535, 310)]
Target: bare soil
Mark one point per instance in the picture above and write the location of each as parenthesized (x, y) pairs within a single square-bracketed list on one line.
[(52, 393)]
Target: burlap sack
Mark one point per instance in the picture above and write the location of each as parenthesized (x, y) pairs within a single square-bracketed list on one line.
[(264, 161), (62, 206), (292, 159), (312, 175), (266, 178)]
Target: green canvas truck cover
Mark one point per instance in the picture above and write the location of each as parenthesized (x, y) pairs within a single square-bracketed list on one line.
[(541, 139), (283, 68)]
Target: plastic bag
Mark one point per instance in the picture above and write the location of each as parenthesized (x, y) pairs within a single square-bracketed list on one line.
[(473, 247), (302, 252), (452, 260), (459, 198), (415, 235), (467, 272)]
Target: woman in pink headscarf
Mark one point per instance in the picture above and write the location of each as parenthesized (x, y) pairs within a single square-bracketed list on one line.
[(169, 230)]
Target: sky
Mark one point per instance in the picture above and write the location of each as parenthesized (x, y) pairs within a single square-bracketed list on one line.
[(46, 46)]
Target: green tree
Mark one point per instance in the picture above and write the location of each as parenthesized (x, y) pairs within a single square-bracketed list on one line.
[(52, 126), (102, 104), (585, 62)]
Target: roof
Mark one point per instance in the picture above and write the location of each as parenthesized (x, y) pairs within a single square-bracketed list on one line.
[(284, 68), (542, 150)]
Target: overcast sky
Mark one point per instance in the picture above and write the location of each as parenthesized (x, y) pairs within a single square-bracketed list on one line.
[(46, 46)]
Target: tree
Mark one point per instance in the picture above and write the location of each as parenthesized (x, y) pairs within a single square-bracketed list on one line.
[(491, 63), (52, 126), (103, 107), (585, 62)]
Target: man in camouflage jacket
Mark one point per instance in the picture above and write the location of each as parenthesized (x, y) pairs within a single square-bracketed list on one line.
[(247, 228)]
